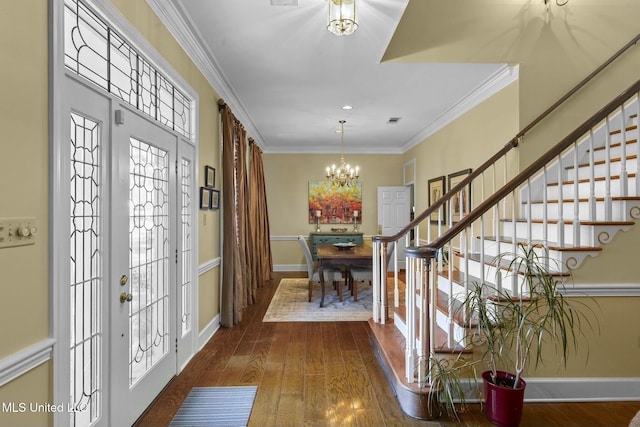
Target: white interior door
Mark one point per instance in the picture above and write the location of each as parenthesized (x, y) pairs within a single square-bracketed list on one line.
[(394, 205), (143, 263)]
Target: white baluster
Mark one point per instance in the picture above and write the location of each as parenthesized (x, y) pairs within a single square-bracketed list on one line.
[(560, 204), (376, 282), (410, 309), (624, 175), (607, 178), (637, 138), (592, 178), (529, 213), (576, 200), (545, 204)]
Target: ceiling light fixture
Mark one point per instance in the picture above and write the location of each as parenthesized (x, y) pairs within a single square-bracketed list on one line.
[(342, 17), (345, 175)]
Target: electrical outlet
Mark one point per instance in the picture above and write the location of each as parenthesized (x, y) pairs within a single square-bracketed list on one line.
[(17, 232)]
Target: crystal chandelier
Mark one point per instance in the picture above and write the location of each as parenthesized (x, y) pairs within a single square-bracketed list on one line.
[(344, 175), (342, 17)]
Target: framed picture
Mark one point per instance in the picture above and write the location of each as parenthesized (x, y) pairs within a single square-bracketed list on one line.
[(205, 198), (215, 199), (461, 201), (337, 205), (436, 189), (209, 177)]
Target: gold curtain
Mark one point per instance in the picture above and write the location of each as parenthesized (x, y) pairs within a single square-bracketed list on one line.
[(246, 250), (234, 267), (259, 220)]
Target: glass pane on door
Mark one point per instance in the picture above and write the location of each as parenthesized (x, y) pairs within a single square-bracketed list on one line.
[(86, 268), (149, 257)]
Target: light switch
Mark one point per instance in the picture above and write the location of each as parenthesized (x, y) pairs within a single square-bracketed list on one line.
[(17, 232)]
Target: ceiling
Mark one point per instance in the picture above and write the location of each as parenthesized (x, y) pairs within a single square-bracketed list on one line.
[(286, 77)]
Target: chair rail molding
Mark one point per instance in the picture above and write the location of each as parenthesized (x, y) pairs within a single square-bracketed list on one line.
[(18, 364)]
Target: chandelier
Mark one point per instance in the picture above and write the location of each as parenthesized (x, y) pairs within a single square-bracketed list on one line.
[(342, 17), (344, 175)]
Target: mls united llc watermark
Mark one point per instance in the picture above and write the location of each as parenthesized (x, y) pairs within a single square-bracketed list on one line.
[(22, 407)]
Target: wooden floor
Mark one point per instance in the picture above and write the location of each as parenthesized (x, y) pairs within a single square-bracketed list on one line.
[(326, 374)]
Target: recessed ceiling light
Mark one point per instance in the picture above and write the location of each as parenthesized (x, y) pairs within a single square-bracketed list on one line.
[(347, 107)]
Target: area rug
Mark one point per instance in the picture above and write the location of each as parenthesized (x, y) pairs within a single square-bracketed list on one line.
[(216, 406), (290, 303)]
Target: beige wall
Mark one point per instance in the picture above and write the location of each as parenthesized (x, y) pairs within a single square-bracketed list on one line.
[(24, 184), (24, 177), (466, 143), (287, 179)]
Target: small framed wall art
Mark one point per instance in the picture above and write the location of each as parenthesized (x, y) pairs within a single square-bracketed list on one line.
[(205, 198), (209, 177), (436, 189), (461, 201), (215, 199)]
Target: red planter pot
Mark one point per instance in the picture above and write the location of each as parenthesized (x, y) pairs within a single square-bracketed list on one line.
[(503, 403)]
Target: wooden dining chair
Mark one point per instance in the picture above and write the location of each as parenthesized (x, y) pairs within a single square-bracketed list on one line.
[(333, 274)]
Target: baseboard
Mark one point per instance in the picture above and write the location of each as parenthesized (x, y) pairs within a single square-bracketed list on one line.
[(18, 364), (208, 331), (291, 267), (561, 389), (582, 389)]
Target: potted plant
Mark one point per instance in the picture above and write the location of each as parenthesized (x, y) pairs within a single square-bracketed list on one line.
[(516, 328), (446, 393)]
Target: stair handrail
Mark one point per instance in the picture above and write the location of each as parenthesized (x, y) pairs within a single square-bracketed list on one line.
[(435, 207)]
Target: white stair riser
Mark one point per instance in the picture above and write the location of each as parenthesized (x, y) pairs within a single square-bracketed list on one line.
[(614, 168), (589, 235), (506, 278), (600, 189), (616, 151), (620, 209)]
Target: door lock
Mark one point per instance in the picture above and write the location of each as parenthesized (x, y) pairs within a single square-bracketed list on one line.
[(124, 297), (124, 279)]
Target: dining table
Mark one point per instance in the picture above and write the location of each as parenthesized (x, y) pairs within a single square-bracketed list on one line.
[(342, 256)]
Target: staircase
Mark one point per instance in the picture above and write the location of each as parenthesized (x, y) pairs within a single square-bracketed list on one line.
[(567, 206)]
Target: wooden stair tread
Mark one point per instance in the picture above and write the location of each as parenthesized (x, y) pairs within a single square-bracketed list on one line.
[(570, 222), (583, 180), (584, 199), (440, 341), (602, 162), (550, 245), (387, 341), (504, 264)]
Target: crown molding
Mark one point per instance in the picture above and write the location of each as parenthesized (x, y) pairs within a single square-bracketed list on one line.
[(190, 40), (501, 79)]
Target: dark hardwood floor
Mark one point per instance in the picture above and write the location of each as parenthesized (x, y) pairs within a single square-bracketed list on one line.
[(326, 374)]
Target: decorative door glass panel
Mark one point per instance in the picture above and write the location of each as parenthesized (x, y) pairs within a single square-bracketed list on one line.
[(86, 272), (149, 257), (186, 248)]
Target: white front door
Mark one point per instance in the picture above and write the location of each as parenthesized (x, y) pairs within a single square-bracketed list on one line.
[(143, 263), (124, 251), (394, 204)]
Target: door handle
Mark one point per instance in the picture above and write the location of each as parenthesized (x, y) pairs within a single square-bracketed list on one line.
[(125, 297)]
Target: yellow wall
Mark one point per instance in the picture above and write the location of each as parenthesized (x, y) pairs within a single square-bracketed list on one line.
[(24, 183), (24, 177), (287, 179), (466, 143)]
